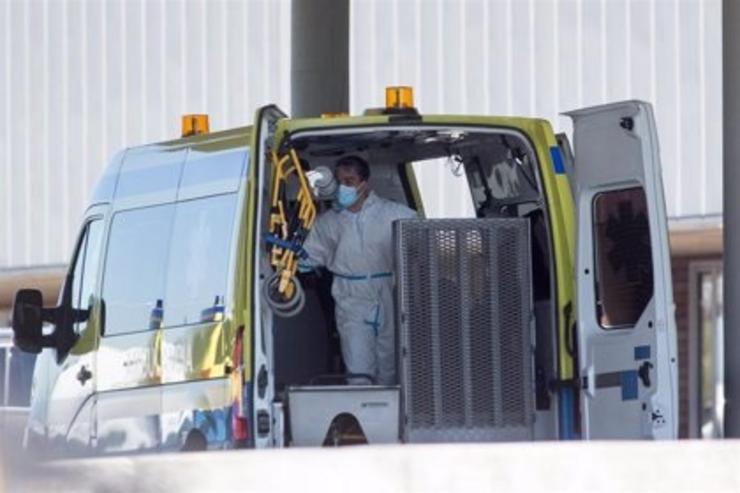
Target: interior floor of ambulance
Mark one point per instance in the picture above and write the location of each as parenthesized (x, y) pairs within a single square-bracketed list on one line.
[(481, 173)]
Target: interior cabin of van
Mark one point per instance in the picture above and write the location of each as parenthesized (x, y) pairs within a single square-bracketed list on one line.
[(441, 172)]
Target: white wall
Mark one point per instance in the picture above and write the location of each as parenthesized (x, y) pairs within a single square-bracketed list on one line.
[(82, 79), (542, 57)]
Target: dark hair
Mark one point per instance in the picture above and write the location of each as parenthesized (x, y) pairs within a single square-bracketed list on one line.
[(356, 163)]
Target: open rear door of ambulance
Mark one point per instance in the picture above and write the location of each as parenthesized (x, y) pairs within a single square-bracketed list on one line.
[(265, 126), (626, 325)]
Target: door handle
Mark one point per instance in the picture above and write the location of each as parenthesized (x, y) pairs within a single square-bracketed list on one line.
[(84, 375), (644, 373)]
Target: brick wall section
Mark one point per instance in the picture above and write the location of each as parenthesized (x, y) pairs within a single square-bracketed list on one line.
[(680, 272)]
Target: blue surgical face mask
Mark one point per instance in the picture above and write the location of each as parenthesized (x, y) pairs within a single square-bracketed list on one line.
[(347, 195)]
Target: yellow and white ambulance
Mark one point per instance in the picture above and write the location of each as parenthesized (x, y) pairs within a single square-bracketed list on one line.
[(533, 303)]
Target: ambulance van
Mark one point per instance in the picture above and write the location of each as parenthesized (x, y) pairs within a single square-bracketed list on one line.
[(533, 294)]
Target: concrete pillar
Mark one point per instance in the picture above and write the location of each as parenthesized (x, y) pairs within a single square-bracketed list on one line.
[(731, 211), (320, 57)]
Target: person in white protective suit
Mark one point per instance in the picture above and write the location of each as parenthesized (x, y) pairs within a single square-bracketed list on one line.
[(354, 242)]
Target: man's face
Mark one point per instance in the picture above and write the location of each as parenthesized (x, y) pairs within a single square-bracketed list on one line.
[(348, 176)]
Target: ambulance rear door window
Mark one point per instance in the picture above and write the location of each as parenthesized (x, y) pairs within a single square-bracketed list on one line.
[(624, 264)]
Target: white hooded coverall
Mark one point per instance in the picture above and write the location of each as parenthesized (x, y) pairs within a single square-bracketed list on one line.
[(357, 248)]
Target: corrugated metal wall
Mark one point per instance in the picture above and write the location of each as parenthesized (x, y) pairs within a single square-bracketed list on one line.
[(541, 57), (81, 79)]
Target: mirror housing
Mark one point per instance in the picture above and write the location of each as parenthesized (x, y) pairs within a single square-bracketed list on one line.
[(28, 320), (29, 316)]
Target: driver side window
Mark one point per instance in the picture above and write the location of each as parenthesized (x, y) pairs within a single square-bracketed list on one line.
[(87, 261)]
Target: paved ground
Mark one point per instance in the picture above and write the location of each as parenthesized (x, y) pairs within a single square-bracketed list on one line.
[(575, 466)]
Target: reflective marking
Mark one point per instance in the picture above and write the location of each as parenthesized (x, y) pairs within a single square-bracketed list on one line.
[(557, 160), (642, 352), (629, 385), (626, 380), (566, 414)]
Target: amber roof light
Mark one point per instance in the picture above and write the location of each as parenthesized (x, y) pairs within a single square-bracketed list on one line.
[(194, 125), (399, 97)]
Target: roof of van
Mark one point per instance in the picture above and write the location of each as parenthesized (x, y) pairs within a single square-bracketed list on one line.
[(179, 169), (160, 172), (292, 125)]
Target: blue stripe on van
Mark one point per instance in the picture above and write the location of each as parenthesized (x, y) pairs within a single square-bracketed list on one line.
[(565, 403), (557, 160), (629, 385), (642, 352)]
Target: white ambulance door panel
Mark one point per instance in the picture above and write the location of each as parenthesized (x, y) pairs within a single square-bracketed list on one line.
[(626, 325), (263, 375)]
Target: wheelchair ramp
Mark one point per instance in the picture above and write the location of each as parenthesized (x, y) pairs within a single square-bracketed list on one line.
[(464, 303)]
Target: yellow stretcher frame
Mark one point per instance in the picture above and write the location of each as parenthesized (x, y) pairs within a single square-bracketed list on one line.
[(284, 259)]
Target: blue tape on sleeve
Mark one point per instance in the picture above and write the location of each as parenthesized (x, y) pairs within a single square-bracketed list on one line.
[(642, 352), (629, 385), (557, 160)]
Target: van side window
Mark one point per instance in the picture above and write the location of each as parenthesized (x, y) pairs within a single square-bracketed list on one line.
[(623, 257), (77, 273), (86, 268), (133, 283), (199, 259)]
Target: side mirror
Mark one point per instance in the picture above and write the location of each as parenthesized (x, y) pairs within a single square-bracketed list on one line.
[(28, 321), (29, 315)]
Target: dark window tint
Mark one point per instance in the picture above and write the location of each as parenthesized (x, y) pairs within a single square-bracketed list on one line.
[(624, 266), (135, 269), (199, 260)]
